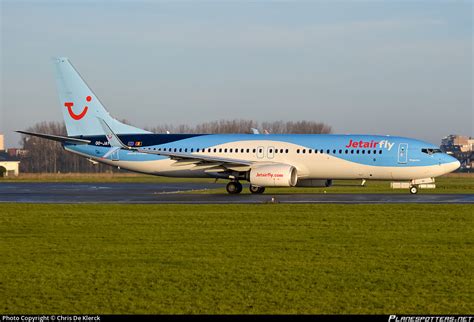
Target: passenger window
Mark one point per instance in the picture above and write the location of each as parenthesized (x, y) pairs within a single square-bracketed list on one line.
[(363, 151), (334, 151), (352, 151), (357, 151), (328, 151), (321, 151), (297, 150), (254, 150), (340, 151), (347, 151), (304, 150), (286, 151), (380, 152), (248, 150)]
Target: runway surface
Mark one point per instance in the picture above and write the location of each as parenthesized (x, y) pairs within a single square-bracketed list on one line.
[(179, 193)]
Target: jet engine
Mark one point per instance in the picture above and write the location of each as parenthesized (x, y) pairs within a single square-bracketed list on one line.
[(273, 175)]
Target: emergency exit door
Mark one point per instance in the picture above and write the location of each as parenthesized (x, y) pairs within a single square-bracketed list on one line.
[(403, 153)]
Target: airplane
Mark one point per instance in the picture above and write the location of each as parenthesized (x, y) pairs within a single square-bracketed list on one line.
[(264, 160)]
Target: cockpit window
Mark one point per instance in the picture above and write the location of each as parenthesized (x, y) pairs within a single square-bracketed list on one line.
[(431, 151)]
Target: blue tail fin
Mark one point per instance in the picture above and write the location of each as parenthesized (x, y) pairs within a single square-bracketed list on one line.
[(81, 107)]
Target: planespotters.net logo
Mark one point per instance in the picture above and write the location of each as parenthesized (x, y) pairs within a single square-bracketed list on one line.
[(438, 318)]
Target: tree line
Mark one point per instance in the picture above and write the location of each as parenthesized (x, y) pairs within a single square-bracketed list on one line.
[(48, 156)]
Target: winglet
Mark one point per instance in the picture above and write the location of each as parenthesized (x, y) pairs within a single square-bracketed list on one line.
[(111, 136)]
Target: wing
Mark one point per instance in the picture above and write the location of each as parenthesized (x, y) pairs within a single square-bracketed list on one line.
[(206, 162)]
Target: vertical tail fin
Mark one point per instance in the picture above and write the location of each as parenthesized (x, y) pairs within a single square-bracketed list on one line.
[(81, 107)]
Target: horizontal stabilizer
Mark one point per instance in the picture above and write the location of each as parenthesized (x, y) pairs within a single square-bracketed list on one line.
[(58, 138)]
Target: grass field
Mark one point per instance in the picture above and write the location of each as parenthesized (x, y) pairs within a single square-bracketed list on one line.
[(237, 259)]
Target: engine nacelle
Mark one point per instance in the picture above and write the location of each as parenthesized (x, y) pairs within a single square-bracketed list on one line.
[(275, 175), (314, 183)]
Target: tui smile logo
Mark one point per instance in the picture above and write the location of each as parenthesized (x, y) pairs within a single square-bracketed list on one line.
[(79, 116)]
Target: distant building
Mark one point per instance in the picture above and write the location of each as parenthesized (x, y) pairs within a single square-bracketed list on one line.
[(461, 147), (8, 165), (9, 160)]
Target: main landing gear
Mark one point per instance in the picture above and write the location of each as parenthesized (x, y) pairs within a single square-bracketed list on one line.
[(235, 187)]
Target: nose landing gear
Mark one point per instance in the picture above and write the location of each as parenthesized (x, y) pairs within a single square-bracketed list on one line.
[(256, 189)]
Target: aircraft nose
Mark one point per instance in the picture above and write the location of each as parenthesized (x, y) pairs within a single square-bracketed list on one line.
[(456, 165), (452, 164)]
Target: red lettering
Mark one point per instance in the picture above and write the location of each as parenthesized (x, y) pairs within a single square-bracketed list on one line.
[(361, 144)]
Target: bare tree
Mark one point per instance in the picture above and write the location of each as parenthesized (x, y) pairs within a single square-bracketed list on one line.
[(245, 126), (48, 156)]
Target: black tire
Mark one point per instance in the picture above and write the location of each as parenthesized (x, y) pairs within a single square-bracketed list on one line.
[(413, 190), (256, 189), (234, 187), (239, 187)]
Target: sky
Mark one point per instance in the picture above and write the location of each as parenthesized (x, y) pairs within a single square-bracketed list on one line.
[(373, 67)]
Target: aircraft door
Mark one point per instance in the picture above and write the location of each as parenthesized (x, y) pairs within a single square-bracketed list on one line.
[(403, 153), (270, 152)]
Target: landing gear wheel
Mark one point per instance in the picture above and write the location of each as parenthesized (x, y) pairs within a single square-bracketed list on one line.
[(256, 189), (234, 187), (413, 190)]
